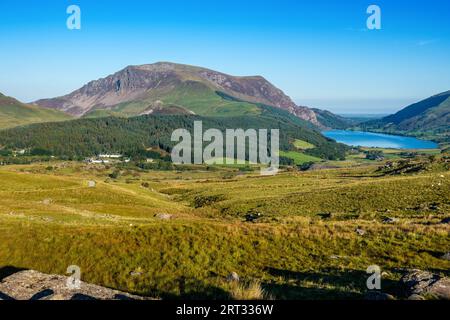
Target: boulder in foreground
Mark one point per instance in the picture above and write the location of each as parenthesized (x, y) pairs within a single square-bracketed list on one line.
[(33, 285), (426, 284)]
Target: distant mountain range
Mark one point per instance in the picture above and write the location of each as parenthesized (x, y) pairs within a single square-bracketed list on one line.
[(170, 88), (166, 88), (139, 106), (429, 118), (14, 113)]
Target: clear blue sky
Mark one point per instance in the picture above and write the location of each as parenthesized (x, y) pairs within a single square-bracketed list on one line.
[(319, 52)]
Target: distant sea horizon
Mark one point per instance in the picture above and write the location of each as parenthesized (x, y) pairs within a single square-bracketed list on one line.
[(368, 115), (361, 117)]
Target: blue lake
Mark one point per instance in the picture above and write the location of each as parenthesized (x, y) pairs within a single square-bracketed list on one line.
[(369, 139)]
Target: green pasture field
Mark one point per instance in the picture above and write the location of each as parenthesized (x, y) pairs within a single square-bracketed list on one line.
[(116, 231)]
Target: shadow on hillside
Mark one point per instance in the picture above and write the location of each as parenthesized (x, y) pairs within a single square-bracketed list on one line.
[(327, 284), (8, 271), (4, 273), (42, 294), (193, 289), (190, 289), (434, 254)]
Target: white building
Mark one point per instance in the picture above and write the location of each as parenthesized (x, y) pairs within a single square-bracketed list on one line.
[(110, 156)]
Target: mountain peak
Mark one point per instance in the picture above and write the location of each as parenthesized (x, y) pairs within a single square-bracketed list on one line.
[(137, 89)]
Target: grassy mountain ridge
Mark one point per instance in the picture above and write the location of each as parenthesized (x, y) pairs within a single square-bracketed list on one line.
[(418, 109), (14, 113), (193, 97), (429, 118)]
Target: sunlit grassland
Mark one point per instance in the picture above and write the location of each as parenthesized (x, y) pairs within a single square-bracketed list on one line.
[(302, 145), (50, 219), (299, 157), (33, 193), (335, 190)]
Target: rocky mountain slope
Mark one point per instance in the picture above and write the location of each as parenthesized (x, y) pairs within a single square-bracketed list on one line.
[(146, 89), (14, 113)]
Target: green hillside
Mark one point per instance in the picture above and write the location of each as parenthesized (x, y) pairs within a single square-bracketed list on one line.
[(87, 137), (14, 113), (430, 108), (192, 96), (331, 120), (429, 118), (299, 157)]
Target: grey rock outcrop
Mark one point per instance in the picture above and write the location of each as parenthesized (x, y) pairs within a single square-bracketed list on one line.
[(426, 284), (33, 285)]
